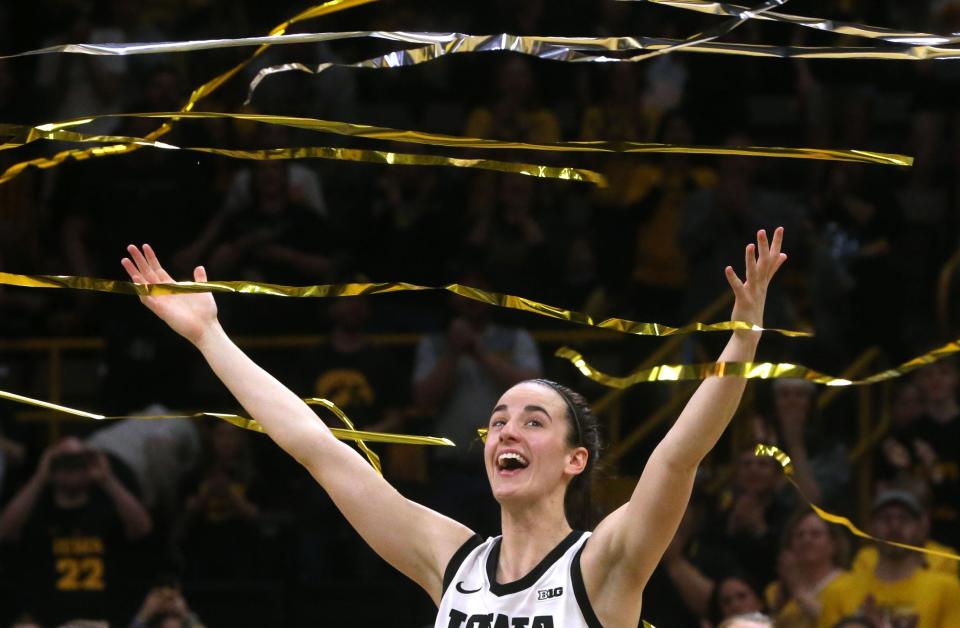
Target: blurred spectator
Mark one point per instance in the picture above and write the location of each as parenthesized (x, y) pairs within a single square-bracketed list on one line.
[(867, 556), (303, 184), (744, 529), (155, 455), (622, 114), (508, 235), (925, 223), (273, 238), (165, 607), (72, 523), (366, 382), (936, 446), (747, 620), (515, 112), (458, 377), (820, 462), (856, 240), (78, 85), (25, 621), (682, 568), (12, 454), (733, 595), (898, 591), (221, 512), (717, 220), (660, 265), (710, 586), (897, 458), (812, 556), (409, 213)]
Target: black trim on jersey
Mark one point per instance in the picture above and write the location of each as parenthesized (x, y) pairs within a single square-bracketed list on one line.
[(580, 592), (457, 559), (528, 580)]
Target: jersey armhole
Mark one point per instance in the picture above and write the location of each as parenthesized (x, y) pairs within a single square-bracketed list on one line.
[(457, 559), (580, 591)]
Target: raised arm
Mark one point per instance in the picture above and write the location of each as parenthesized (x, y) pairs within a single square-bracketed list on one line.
[(628, 544), (414, 539)]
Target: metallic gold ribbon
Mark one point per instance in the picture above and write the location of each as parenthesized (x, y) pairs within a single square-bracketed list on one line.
[(741, 14), (17, 135), (746, 370), (199, 93), (572, 51), (784, 460), (821, 24), (305, 152), (356, 289), (555, 49), (349, 433)]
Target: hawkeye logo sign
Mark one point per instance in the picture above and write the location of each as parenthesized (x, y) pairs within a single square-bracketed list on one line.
[(546, 594)]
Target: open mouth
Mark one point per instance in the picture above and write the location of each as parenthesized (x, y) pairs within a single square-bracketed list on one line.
[(511, 461)]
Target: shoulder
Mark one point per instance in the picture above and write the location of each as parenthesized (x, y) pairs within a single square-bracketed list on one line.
[(939, 582), (844, 585), (473, 546)]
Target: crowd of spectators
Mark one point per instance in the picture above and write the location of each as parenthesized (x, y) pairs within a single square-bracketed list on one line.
[(176, 523)]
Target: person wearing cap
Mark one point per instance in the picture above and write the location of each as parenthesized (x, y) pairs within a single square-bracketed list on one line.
[(898, 589), (866, 557)]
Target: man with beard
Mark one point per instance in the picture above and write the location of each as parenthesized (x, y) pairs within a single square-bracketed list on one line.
[(899, 592)]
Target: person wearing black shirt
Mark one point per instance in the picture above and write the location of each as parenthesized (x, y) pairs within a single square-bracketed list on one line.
[(71, 523)]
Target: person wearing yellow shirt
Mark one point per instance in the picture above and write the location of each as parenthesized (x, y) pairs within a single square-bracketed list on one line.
[(899, 591), (809, 561), (866, 559)]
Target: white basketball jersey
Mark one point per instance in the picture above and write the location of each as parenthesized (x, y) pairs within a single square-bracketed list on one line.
[(550, 596)]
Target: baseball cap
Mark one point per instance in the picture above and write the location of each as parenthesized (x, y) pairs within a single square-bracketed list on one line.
[(897, 496)]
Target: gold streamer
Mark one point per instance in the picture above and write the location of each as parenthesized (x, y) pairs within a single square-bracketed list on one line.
[(349, 433), (306, 152), (570, 52), (784, 460), (356, 289), (199, 93), (21, 135), (821, 24), (543, 47), (746, 370)]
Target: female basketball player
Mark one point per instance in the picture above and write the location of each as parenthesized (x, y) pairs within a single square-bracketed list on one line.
[(542, 439)]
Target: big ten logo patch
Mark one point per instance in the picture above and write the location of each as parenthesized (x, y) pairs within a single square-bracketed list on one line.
[(546, 594), (78, 562)]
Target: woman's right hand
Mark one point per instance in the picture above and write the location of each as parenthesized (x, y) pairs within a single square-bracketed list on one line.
[(190, 315)]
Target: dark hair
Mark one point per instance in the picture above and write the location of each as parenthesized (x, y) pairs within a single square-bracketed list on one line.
[(584, 432), (855, 621), (714, 612)]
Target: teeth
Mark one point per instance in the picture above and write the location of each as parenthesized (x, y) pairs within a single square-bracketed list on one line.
[(510, 455)]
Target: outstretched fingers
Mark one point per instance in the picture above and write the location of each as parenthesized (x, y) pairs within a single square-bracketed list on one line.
[(143, 266), (750, 263), (733, 280), (132, 270), (155, 266), (777, 242)]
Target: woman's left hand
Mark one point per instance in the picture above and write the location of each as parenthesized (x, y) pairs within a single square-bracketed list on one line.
[(762, 262)]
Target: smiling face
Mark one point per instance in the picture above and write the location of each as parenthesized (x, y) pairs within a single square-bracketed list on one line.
[(811, 542), (527, 452)]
